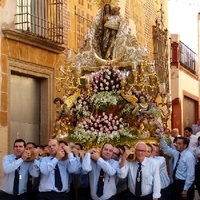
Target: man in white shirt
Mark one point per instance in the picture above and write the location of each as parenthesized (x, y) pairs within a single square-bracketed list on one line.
[(183, 168), (55, 171), (164, 178), (196, 127), (192, 138), (101, 166), (15, 172), (143, 175)]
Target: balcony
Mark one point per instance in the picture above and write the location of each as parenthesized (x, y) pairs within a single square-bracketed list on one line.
[(43, 19), (187, 58)]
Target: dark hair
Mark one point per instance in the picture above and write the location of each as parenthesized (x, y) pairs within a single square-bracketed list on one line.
[(155, 145), (20, 140), (185, 140), (126, 146), (34, 145), (40, 146), (150, 145), (188, 129), (80, 145), (62, 141), (110, 9), (119, 146), (142, 95), (58, 99), (175, 139), (107, 4)]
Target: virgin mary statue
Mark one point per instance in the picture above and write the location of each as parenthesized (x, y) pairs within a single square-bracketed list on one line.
[(109, 39)]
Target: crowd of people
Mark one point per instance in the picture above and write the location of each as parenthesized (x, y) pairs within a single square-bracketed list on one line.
[(67, 171)]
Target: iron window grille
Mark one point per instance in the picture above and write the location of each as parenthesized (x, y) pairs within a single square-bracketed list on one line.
[(41, 18)]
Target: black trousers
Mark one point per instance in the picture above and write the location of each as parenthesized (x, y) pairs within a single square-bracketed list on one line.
[(177, 188), (80, 194), (5, 196), (166, 193), (133, 197), (113, 198), (123, 195), (53, 196), (197, 177)]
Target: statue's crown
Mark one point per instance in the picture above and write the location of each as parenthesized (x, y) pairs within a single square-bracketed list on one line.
[(107, 1)]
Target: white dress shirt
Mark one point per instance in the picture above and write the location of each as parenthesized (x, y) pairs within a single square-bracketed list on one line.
[(195, 128), (186, 166), (150, 177), (10, 164), (193, 143), (164, 178), (110, 168), (47, 166)]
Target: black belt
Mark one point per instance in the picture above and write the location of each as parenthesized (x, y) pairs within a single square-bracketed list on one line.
[(52, 191), (178, 180)]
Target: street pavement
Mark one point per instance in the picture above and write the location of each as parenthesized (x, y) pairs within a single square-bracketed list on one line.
[(196, 195)]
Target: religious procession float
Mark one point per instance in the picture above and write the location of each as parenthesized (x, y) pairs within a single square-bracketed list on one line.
[(110, 91)]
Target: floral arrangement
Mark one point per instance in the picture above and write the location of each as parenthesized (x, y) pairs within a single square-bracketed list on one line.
[(102, 128), (106, 80), (104, 114), (103, 100), (82, 107)]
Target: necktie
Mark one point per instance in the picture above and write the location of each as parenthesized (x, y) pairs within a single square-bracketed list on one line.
[(58, 181), (16, 182), (138, 190), (100, 184), (176, 166)]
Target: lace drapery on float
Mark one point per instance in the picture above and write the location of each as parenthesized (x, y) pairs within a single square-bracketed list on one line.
[(113, 84), (109, 39)]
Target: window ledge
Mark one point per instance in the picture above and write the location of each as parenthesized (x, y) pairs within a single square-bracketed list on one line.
[(33, 40)]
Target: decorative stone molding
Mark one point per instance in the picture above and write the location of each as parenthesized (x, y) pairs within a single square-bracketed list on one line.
[(47, 76), (27, 38)]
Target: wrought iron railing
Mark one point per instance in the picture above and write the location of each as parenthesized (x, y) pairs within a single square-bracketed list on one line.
[(187, 57), (160, 43), (41, 18)]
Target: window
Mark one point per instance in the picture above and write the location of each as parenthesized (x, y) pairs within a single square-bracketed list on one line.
[(42, 18)]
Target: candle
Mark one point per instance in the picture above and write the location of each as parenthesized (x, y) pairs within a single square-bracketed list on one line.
[(162, 88), (69, 55)]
